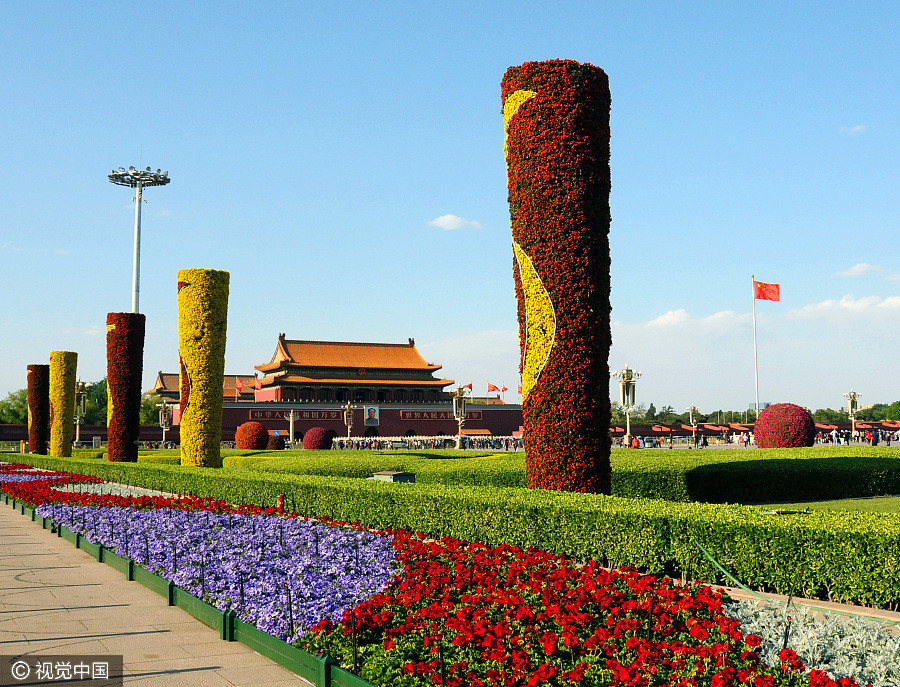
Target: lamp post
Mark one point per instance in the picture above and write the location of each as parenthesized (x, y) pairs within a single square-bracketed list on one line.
[(292, 415), (694, 411), (459, 412), (627, 379), (164, 419), (137, 179), (80, 407), (348, 417), (852, 398)]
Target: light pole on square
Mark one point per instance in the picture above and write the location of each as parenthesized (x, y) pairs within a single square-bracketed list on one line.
[(137, 179)]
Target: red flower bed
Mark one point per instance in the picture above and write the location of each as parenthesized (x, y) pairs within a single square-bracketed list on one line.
[(124, 367), (558, 181), (38, 408), (784, 425), (251, 435), (504, 616)]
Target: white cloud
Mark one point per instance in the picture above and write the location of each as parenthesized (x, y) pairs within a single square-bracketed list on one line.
[(853, 130), (720, 321), (847, 308), (858, 270), (453, 223)]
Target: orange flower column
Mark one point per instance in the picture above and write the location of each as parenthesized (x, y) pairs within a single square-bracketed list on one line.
[(62, 402), (556, 126), (124, 367), (202, 323)]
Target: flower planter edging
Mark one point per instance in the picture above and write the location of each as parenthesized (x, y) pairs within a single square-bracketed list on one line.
[(322, 671)]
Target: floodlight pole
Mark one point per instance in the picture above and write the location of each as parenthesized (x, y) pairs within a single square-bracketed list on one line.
[(137, 179), (136, 262)]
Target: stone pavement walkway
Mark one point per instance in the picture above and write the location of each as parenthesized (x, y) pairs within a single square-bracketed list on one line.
[(56, 599)]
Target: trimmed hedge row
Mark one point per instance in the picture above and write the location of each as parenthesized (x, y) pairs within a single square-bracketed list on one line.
[(715, 476), (851, 557)]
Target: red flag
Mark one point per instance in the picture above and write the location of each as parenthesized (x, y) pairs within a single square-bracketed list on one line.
[(224, 383), (239, 385), (257, 384), (766, 292), (519, 388), (504, 388), (491, 387), (468, 386)]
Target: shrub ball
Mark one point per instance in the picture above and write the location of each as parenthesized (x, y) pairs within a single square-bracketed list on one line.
[(251, 435), (316, 438), (275, 443), (785, 425)]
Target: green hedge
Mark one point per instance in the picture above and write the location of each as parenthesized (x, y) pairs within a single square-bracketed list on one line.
[(711, 476), (844, 556)]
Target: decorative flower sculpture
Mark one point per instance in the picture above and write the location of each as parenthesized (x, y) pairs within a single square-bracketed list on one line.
[(556, 126), (62, 402), (124, 368), (252, 435), (784, 425), (202, 323), (38, 408), (316, 438)]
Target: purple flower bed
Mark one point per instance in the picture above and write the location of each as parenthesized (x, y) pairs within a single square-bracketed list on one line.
[(251, 564)]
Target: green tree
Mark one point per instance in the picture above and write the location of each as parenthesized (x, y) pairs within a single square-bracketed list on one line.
[(95, 403), (617, 414), (827, 416), (14, 408), (666, 415), (149, 411), (650, 415)]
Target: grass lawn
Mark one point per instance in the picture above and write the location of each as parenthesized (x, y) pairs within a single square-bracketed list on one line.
[(877, 504)]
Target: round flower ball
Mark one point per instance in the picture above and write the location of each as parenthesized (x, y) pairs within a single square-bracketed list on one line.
[(785, 425), (316, 438), (251, 435)]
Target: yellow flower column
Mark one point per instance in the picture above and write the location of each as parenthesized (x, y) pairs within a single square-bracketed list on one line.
[(62, 402), (202, 323)]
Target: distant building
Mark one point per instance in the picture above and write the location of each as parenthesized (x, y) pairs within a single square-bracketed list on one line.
[(166, 386), (339, 371)]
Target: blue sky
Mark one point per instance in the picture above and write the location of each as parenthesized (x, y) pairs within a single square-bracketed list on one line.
[(316, 150)]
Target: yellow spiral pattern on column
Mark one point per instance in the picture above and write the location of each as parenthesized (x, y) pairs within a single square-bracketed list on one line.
[(540, 321), (540, 317), (513, 102)]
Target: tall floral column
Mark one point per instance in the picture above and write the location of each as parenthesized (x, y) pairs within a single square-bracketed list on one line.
[(38, 408), (124, 367), (62, 402), (202, 321), (556, 125)]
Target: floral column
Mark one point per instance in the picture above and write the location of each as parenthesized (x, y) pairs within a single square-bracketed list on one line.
[(124, 367), (38, 408), (62, 402), (556, 126), (202, 321)]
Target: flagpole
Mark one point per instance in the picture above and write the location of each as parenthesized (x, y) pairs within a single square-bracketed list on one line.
[(755, 360)]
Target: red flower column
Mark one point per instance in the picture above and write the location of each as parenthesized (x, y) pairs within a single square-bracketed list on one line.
[(38, 408), (124, 367), (556, 120)]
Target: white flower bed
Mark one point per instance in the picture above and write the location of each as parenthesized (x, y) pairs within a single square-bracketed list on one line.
[(842, 646)]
